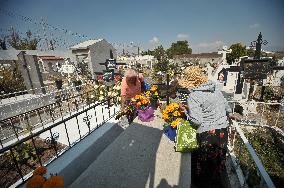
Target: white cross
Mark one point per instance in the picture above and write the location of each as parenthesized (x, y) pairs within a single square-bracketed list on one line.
[(224, 51)]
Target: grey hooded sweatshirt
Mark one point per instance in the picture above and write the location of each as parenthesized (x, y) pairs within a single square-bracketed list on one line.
[(208, 108)]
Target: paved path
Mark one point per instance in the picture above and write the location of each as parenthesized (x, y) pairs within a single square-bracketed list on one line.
[(142, 156)]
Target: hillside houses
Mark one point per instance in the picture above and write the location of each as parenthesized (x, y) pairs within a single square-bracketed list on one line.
[(200, 59)]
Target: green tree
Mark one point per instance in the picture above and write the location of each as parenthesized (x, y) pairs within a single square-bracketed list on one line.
[(163, 62), (27, 43), (11, 80), (179, 48), (238, 50), (250, 52)]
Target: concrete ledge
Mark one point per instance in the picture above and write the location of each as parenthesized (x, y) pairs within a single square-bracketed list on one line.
[(78, 158)]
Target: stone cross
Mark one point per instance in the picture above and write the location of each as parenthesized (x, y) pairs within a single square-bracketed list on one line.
[(224, 51)]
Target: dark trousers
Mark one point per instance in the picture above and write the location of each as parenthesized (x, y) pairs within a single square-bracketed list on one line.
[(208, 162)]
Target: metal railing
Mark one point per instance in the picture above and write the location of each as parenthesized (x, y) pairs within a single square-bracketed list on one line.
[(33, 118), (65, 102), (248, 166), (13, 106), (49, 143)]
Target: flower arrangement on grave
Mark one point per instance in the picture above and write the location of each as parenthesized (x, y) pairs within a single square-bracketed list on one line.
[(140, 101), (128, 111), (145, 112), (117, 78), (115, 93), (39, 181), (153, 95), (172, 115)]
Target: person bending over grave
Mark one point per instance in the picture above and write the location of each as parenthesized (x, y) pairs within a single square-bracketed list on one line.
[(130, 86)]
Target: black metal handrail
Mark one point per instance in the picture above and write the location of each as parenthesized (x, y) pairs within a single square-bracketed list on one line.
[(47, 109), (50, 127), (32, 136), (31, 111)]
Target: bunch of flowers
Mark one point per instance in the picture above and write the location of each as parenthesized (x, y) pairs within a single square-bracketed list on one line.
[(39, 181), (172, 114), (115, 92), (117, 78), (140, 102), (153, 93), (128, 111), (100, 77)]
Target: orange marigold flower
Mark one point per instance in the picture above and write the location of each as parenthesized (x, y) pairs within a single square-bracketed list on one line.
[(165, 117), (175, 123), (144, 101), (36, 181), (153, 88), (53, 182), (176, 113), (40, 171)]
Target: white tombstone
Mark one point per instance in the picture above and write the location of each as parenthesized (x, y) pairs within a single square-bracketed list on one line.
[(246, 90), (67, 68)]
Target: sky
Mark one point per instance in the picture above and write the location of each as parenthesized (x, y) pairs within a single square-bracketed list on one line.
[(206, 24)]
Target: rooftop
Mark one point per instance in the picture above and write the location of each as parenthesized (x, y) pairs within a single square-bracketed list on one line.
[(12, 54), (85, 44)]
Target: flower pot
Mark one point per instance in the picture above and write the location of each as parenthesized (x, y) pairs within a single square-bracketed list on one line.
[(154, 103), (146, 115), (170, 133)]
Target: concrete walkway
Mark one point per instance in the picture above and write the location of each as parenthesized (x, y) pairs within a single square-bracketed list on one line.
[(142, 156)]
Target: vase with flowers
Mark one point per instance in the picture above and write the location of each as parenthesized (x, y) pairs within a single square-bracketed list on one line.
[(172, 115), (142, 104), (153, 95)]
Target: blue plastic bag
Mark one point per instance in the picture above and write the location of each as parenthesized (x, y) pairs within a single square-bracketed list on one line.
[(170, 133)]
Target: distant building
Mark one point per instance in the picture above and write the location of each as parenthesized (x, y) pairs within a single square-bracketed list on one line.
[(94, 52), (200, 59), (145, 61), (35, 66)]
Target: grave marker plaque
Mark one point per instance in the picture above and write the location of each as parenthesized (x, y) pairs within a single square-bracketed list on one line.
[(110, 64), (256, 69), (108, 75)]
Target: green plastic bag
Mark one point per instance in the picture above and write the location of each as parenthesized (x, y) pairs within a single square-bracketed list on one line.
[(186, 137)]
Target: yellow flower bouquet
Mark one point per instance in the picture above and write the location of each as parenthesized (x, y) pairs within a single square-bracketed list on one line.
[(153, 93), (172, 115), (140, 101), (145, 112)]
